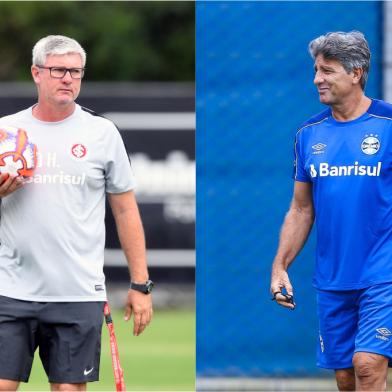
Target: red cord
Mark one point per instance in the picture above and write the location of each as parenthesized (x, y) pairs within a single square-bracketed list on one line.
[(117, 370)]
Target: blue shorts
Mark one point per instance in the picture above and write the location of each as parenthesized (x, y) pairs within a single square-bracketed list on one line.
[(352, 321)]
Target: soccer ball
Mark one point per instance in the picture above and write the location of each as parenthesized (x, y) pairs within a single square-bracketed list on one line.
[(18, 156)]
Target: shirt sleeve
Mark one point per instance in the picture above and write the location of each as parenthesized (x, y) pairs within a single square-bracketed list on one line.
[(119, 175), (299, 172)]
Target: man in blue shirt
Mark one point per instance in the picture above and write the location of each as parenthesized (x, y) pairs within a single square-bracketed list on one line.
[(343, 178)]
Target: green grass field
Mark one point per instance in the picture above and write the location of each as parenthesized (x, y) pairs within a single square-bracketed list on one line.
[(161, 359)]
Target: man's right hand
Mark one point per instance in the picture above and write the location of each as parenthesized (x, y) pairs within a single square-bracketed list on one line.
[(280, 281), (296, 227), (9, 184)]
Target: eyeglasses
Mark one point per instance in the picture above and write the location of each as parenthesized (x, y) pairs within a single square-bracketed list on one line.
[(59, 72)]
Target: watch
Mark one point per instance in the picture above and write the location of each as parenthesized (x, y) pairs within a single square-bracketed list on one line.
[(144, 288)]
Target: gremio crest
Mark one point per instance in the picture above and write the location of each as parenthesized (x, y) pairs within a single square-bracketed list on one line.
[(370, 145)]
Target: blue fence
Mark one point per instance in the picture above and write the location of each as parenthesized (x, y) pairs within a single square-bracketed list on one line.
[(254, 88)]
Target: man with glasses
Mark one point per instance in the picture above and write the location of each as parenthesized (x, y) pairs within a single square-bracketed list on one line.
[(52, 232)]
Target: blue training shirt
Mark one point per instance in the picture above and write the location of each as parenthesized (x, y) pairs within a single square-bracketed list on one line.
[(350, 167)]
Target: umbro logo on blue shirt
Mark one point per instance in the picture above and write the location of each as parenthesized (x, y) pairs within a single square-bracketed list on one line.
[(318, 148)]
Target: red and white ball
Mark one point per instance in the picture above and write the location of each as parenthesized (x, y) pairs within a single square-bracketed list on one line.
[(18, 156)]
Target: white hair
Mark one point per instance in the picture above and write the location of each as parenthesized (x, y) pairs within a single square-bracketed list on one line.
[(56, 44)]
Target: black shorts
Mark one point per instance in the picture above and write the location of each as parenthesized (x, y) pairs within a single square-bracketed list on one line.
[(68, 335)]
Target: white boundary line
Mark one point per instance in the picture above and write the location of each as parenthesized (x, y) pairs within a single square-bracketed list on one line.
[(155, 258), (265, 384), (127, 121)]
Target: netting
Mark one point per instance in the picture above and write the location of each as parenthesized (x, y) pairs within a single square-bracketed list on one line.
[(254, 88)]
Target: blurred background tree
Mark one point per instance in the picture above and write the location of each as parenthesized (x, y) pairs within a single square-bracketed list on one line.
[(125, 41)]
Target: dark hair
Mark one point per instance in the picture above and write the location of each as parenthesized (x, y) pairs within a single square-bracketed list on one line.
[(350, 49)]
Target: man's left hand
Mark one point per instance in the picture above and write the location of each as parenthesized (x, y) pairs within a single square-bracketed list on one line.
[(141, 306)]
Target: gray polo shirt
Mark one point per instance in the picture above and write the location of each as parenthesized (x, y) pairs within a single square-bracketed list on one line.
[(52, 230)]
